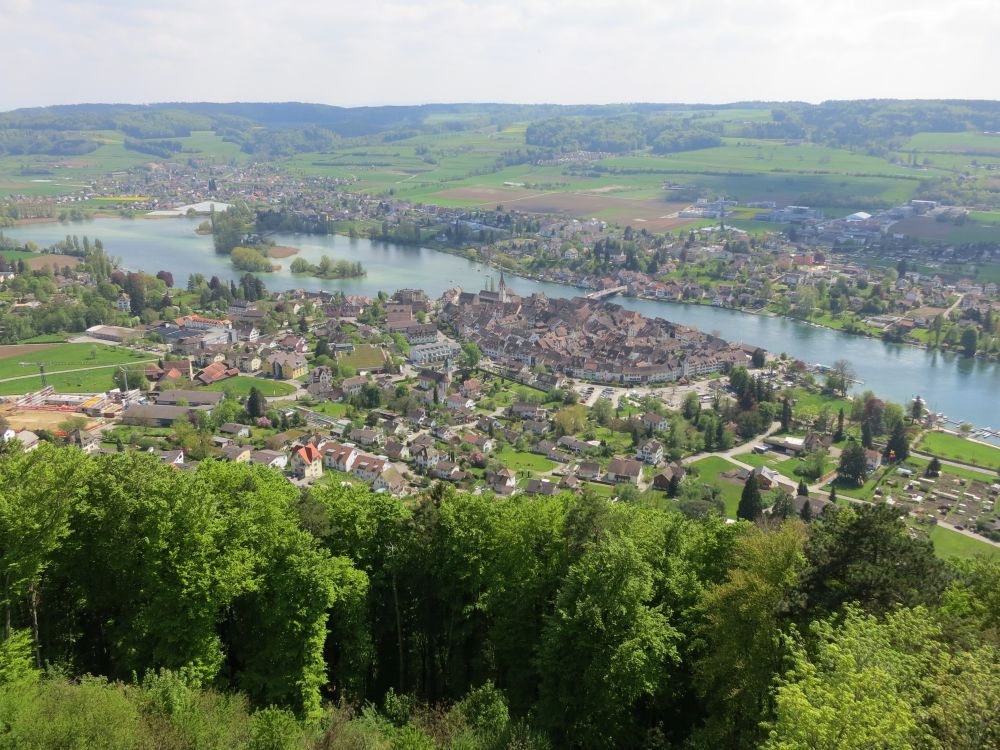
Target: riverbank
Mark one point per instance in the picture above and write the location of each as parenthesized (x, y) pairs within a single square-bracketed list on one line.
[(36, 220), (539, 278), (958, 386)]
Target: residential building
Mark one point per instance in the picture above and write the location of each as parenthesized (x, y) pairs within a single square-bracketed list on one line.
[(339, 456), (624, 470), (651, 452), (239, 454), (368, 468), (287, 365), (272, 458), (307, 463), (234, 428)]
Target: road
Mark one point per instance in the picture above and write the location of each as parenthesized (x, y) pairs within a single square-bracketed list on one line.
[(299, 393), (954, 304)]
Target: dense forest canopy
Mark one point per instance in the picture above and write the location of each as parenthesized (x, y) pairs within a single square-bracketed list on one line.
[(226, 599)]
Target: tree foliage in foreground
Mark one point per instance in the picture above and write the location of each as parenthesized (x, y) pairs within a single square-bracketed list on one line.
[(223, 607)]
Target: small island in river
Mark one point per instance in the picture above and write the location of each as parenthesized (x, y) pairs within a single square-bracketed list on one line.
[(328, 268)]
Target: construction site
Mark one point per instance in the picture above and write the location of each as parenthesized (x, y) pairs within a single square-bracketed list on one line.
[(45, 409)]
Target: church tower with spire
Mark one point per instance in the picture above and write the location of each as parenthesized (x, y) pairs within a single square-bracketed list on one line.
[(502, 289)]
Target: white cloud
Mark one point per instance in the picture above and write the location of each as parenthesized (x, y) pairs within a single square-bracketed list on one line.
[(411, 51)]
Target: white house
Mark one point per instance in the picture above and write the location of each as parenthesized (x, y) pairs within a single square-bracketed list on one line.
[(651, 452)]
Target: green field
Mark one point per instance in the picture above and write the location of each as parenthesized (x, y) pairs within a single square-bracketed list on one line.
[(944, 445), (601, 490), (742, 168), (618, 442), (364, 357), (61, 357), (90, 381), (523, 461), (330, 408), (989, 272), (17, 254), (240, 386), (44, 175), (431, 166), (865, 491), (66, 357), (709, 471), (948, 543), (963, 142)]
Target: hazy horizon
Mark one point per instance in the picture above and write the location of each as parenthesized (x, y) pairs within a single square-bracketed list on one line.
[(442, 103), (483, 51)]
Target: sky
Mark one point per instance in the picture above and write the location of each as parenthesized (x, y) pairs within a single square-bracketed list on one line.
[(372, 52)]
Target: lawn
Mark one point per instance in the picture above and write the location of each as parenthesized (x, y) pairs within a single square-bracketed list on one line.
[(601, 490), (756, 459), (364, 357), (865, 491), (240, 387), (945, 445), (66, 357), (510, 393), (334, 409), (710, 470), (948, 543), (522, 461), (619, 442), (782, 464)]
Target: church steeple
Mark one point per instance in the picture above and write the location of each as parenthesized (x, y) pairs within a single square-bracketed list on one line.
[(502, 289)]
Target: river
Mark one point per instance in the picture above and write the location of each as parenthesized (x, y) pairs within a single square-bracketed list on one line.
[(964, 389)]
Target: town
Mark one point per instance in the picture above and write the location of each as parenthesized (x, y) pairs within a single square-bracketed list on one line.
[(854, 273), (487, 390)]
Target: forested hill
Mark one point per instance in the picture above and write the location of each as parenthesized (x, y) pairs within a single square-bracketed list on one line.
[(223, 607), (281, 129)]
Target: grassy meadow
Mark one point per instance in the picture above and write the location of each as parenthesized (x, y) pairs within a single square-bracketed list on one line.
[(957, 448), (710, 471), (240, 386)]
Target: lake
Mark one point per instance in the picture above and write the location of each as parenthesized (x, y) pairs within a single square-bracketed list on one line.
[(963, 388)]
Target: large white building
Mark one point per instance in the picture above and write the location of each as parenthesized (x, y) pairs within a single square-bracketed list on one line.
[(424, 353)]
